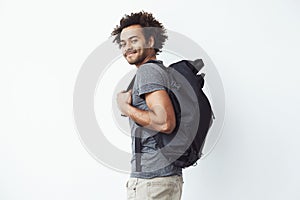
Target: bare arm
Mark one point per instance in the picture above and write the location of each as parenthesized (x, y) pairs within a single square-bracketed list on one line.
[(159, 117)]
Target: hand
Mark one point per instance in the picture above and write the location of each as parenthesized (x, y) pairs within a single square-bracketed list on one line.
[(124, 101)]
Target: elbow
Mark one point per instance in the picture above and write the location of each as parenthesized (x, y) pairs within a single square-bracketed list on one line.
[(168, 127)]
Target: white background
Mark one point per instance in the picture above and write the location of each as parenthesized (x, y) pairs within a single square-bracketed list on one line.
[(254, 44)]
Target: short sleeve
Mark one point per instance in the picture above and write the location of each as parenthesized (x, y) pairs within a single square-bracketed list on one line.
[(149, 78)]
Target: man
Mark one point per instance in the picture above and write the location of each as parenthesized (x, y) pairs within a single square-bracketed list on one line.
[(149, 108)]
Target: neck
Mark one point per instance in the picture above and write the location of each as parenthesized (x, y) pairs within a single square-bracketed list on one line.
[(147, 58)]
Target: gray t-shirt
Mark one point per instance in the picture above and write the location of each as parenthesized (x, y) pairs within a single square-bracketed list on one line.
[(150, 77)]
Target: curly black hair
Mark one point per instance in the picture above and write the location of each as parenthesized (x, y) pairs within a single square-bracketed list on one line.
[(148, 22)]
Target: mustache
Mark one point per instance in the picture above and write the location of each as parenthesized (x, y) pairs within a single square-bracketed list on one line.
[(129, 52)]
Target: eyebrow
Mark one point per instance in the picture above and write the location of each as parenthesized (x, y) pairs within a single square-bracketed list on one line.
[(135, 36)]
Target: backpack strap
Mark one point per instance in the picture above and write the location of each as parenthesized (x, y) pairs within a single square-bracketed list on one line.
[(130, 86), (138, 149), (137, 137)]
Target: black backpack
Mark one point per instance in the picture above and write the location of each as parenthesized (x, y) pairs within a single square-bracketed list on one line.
[(194, 116)]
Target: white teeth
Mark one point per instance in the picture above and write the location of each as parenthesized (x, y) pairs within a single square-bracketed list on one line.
[(130, 53)]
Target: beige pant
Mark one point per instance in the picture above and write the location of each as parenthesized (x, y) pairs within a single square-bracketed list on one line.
[(160, 188)]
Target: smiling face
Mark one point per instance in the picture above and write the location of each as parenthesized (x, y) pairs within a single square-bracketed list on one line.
[(134, 46)]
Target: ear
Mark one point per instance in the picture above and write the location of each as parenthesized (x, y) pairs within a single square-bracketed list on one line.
[(151, 42)]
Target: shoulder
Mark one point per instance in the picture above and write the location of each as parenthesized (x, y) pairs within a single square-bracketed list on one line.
[(150, 77), (151, 72), (150, 68)]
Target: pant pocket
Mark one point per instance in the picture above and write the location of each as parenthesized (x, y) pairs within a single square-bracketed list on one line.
[(160, 190), (131, 189)]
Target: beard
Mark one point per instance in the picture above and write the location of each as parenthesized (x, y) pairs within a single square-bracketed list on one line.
[(136, 57)]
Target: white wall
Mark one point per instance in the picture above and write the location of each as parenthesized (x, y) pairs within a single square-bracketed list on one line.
[(254, 45)]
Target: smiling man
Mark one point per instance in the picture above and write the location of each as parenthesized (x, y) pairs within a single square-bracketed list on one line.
[(149, 108)]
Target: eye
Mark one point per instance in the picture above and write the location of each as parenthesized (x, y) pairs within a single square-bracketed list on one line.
[(122, 44), (134, 41)]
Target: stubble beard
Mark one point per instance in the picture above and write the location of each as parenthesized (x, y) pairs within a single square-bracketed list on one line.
[(138, 58)]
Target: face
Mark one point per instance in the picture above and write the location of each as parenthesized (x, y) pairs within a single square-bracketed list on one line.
[(134, 47)]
